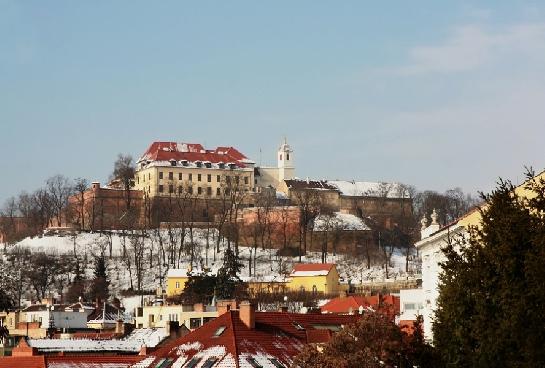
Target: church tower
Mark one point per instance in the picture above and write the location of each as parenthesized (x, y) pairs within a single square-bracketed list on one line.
[(286, 169)]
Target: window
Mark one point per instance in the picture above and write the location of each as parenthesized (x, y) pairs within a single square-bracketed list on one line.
[(209, 191), (170, 175), (209, 362), (280, 157), (149, 189), (276, 363), (193, 363), (246, 180), (190, 177), (149, 176), (199, 190), (180, 188), (160, 317), (227, 191), (218, 178), (171, 188), (179, 176), (172, 162), (190, 189), (237, 179), (219, 331), (287, 156), (152, 317), (137, 179), (314, 289), (218, 191), (194, 323), (160, 188), (209, 178), (198, 177), (221, 165), (253, 362), (160, 175), (199, 164), (208, 164), (177, 284)]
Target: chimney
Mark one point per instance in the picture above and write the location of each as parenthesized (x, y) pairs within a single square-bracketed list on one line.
[(225, 306), (95, 186), (247, 314), (143, 350), (119, 327)]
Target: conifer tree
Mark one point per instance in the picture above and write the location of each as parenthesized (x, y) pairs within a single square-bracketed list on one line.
[(100, 284), (492, 290), (229, 284)]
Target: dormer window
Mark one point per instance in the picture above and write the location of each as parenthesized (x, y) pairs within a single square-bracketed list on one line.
[(172, 162), (208, 164), (232, 166), (184, 162), (221, 165), (198, 163)]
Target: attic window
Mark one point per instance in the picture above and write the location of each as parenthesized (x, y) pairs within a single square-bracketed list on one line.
[(254, 362), (209, 362), (298, 326), (232, 166), (172, 162), (198, 163), (193, 363), (184, 162), (208, 164), (219, 331), (221, 165), (276, 363)]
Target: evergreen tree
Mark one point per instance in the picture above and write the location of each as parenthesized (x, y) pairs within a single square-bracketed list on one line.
[(492, 289), (100, 284), (77, 287), (198, 289), (228, 284)]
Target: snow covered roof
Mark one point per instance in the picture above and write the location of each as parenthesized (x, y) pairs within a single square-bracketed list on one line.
[(166, 152), (311, 269), (177, 272), (369, 189), (150, 337), (341, 221), (274, 341)]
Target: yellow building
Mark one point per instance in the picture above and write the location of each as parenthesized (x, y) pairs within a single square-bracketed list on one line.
[(266, 284), (176, 279), (170, 168), (318, 277), (192, 316)]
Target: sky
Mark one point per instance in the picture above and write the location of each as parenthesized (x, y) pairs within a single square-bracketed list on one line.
[(432, 94)]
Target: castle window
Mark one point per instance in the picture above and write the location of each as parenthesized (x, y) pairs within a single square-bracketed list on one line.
[(170, 175), (218, 191), (190, 177), (160, 189), (209, 191), (190, 189), (160, 175), (209, 178), (199, 190), (198, 163), (171, 188), (246, 180), (184, 162), (172, 162), (180, 189), (198, 177), (208, 164), (221, 165), (287, 156), (179, 176), (218, 178)]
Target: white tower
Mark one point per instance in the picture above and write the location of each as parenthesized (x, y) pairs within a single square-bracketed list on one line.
[(286, 169)]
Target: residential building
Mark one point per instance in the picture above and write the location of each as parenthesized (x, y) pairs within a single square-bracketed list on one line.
[(176, 279), (315, 277), (190, 316)]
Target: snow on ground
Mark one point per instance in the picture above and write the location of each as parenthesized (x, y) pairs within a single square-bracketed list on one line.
[(268, 264)]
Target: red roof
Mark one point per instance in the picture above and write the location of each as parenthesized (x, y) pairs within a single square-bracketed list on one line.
[(305, 267), (192, 152), (23, 361), (352, 303), (96, 361), (276, 335)]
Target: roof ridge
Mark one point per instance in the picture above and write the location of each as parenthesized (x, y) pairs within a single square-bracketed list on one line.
[(237, 365)]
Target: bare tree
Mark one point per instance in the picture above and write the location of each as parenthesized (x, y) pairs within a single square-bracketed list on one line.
[(80, 186), (124, 172), (59, 189)]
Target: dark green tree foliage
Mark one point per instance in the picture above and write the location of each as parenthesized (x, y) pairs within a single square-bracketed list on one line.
[(198, 289), (373, 341), (492, 291), (100, 284), (228, 284), (6, 302)]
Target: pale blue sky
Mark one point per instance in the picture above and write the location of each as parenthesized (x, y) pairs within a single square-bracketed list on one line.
[(434, 94)]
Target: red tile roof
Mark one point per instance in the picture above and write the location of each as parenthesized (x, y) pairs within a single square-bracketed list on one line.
[(23, 362), (192, 152), (305, 267), (352, 303), (276, 335), (121, 361)]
